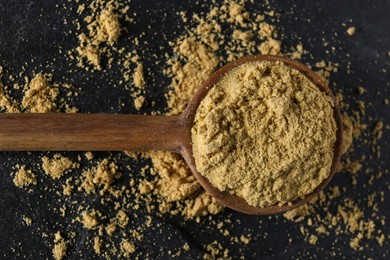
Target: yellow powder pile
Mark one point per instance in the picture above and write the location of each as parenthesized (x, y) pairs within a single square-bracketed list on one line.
[(6, 102), (265, 133), (24, 178), (40, 95), (58, 166), (127, 248), (60, 247), (97, 243), (138, 76), (89, 219), (177, 183), (139, 83)]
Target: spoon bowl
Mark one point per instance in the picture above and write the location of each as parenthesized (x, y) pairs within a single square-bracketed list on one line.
[(230, 200), (105, 132)]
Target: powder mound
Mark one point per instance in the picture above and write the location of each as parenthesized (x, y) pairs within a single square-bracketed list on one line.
[(24, 177), (60, 247), (265, 133), (177, 181), (127, 248), (40, 95), (89, 220), (101, 176), (58, 166), (110, 28)]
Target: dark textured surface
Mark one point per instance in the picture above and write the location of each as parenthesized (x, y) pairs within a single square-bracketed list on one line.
[(31, 35)]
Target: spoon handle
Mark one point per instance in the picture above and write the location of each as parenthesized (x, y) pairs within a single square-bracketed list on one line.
[(90, 132)]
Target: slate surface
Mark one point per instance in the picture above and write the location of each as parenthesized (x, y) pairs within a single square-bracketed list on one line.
[(33, 32)]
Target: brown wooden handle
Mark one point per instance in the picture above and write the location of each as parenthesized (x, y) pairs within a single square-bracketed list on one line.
[(90, 132)]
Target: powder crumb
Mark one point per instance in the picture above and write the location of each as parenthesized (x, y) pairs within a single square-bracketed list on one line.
[(145, 186), (270, 46), (58, 166), (122, 218), (109, 25), (361, 90), (127, 248), (378, 131), (297, 214), (40, 95), (138, 76), (266, 30), (23, 177), (216, 251), (27, 221), (351, 30), (139, 102), (347, 133), (97, 244), (60, 247), (313, 239), (245, 239), (89, 156), (89, 219), (201, 205), (111, 228), (380, 239), (355, 242), (186, 247)]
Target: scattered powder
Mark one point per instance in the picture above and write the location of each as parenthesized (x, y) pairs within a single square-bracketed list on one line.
[(58, 166), (103, 27), (205, 47), (39, 96), (264, 103), (101, 176), (27, 221), (216, 251), (177, 183), (6, 102), (188, 77), (23, 177), (347, 133)]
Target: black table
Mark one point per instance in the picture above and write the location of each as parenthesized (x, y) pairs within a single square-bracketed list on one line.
[(31, 35)]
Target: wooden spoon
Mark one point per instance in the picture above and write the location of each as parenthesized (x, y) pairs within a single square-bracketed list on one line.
[(108, 132)]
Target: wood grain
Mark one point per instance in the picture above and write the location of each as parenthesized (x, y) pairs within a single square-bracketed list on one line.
[(89, 132)]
